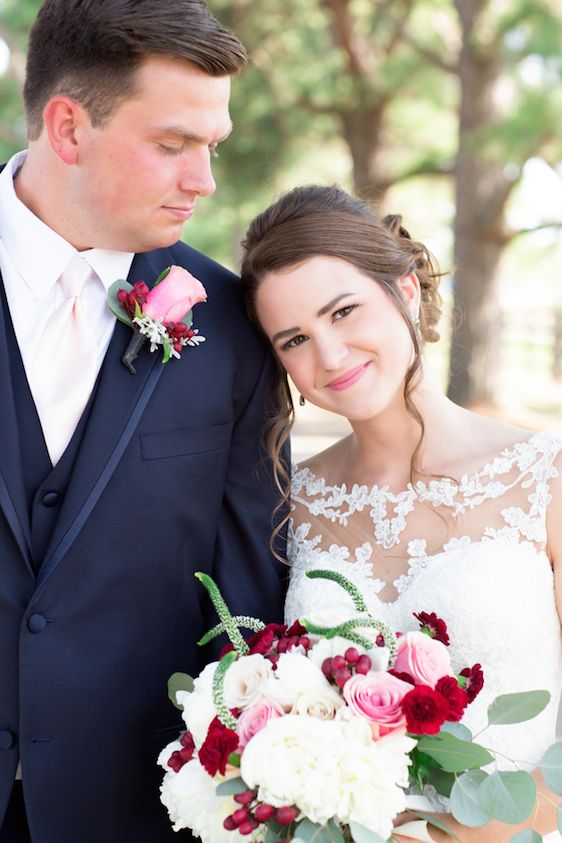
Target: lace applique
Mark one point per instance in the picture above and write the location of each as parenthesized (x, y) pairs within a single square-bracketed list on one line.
[(388, 510)]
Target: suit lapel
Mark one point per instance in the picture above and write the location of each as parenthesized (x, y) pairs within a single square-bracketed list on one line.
[(12, 492), (118, 404)]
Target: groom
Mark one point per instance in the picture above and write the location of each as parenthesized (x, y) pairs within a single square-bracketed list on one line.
[(112, 495)]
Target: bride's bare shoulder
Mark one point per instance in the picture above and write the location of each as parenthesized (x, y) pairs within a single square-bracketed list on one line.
[(330, 462)]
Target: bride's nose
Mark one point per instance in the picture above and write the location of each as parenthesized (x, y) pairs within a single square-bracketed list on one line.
[(331, 354)]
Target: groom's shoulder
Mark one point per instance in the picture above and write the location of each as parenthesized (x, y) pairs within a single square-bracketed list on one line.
[(220, 281)]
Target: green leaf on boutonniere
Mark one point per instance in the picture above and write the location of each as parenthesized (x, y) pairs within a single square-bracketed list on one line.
[(454, 755), (517, 708), (508, 796), (161, 276), (551, 767), (115, 305), (179, 682), (166, 350)]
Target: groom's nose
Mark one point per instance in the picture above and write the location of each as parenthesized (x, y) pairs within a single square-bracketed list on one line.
[(196, 175)]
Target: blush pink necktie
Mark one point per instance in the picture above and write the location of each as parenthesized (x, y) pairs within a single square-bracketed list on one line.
[(65, 365)]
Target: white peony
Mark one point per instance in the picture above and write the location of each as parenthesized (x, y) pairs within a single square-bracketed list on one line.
[(245, 680), (293, 760), (373, 775), (198, 706), (191, 801), (296, 676)]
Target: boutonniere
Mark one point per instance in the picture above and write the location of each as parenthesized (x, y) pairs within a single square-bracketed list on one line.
[(162, 315)]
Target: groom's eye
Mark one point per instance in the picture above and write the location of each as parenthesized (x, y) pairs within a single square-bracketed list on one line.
[(170, 150)]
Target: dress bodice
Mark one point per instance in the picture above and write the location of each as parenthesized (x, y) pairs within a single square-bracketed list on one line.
[(481, 564)]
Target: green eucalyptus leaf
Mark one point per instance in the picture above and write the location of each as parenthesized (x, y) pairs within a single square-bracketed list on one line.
[(437, 823), (551, 767), (459, 730), (161, 276), (362, 834), (179, 682), (517, 708), (335, 832), (231, 786), (464, 799), (115, 305), (508, 796), (275, 832), (453, 754), (527, 836), (309, 832)]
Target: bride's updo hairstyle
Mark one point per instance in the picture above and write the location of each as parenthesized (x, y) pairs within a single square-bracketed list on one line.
[(312, 221)]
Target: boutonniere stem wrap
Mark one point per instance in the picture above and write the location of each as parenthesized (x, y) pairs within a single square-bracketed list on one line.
[(162, 316)]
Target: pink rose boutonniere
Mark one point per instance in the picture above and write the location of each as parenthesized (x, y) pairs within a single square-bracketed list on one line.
[(162, 315)]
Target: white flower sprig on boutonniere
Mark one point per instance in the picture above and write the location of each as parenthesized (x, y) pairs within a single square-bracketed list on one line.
[(162, 315)]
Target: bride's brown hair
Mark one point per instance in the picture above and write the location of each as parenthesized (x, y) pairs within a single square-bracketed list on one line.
[(314, 220)]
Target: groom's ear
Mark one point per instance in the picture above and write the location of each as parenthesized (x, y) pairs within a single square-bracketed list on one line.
[(62, 117)]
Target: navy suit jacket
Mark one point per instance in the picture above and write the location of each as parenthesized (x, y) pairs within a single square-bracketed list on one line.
[(170, 479)]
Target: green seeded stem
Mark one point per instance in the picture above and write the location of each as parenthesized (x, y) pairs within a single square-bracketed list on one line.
[(352, 590), (240, 620), (347, 630), (223, 712), (222, 610)]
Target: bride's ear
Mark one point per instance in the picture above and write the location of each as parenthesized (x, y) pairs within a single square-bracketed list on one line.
[(409, 286)]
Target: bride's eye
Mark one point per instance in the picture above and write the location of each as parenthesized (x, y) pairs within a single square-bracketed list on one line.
[(293, 342), (343, 311)]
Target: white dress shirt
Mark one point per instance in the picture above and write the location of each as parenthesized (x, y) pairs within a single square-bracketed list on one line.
[(33, 257)]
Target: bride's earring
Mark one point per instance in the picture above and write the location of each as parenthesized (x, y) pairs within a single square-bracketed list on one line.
[(302, 402), (416, 323)]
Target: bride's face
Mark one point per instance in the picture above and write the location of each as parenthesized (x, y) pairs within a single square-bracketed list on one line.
[(338, 334)]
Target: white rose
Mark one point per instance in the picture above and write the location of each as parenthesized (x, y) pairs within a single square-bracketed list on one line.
[(293, 761), (245, 679), (198, 707), (191, 800), (321, 701), (372, 777)]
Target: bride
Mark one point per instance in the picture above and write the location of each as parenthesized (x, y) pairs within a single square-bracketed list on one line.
[(425, 505)]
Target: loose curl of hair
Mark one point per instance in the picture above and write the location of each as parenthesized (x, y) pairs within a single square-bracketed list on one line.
[(314, 220)]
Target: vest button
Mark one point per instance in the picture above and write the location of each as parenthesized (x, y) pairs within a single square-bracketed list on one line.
[(36, 622), (6, 739), (51, 499)]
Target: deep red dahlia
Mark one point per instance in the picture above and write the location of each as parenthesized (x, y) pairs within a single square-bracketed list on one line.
[(474, 677), (434, 626), (425, 709), (455, 696), (218, 745)]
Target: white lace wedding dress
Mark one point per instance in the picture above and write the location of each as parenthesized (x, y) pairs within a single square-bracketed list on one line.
[(472, 550)]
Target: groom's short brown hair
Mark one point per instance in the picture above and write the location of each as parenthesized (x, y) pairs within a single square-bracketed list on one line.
[(91, 49)]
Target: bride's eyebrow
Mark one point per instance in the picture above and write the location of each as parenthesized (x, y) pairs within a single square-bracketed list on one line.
[(322, 312)]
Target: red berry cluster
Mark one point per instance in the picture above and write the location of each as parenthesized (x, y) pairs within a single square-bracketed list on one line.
[(275, 639), (286, 644), (138, 294), (177, 332), (341, 668), (252, 813)]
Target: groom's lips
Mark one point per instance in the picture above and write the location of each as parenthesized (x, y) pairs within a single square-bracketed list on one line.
[(179, 212)]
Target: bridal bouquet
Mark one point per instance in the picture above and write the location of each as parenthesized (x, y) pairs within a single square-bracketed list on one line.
[(315, 732)]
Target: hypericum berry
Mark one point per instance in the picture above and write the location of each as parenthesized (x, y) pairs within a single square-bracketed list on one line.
[(286, 814), (248, 826), (379, 641), (283, 645), (264, 812), (341, 676), (240, 816), (351, 655), (339, 662), (304, 642), (246, 797), (364, 664), (229, 824), (327, 667)]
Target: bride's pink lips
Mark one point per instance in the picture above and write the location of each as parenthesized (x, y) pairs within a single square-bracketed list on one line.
[(349, 378)]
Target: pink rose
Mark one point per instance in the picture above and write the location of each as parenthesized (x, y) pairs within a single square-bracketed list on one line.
[(255, 717), (426, 659), (377, 696), (170, 300)]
